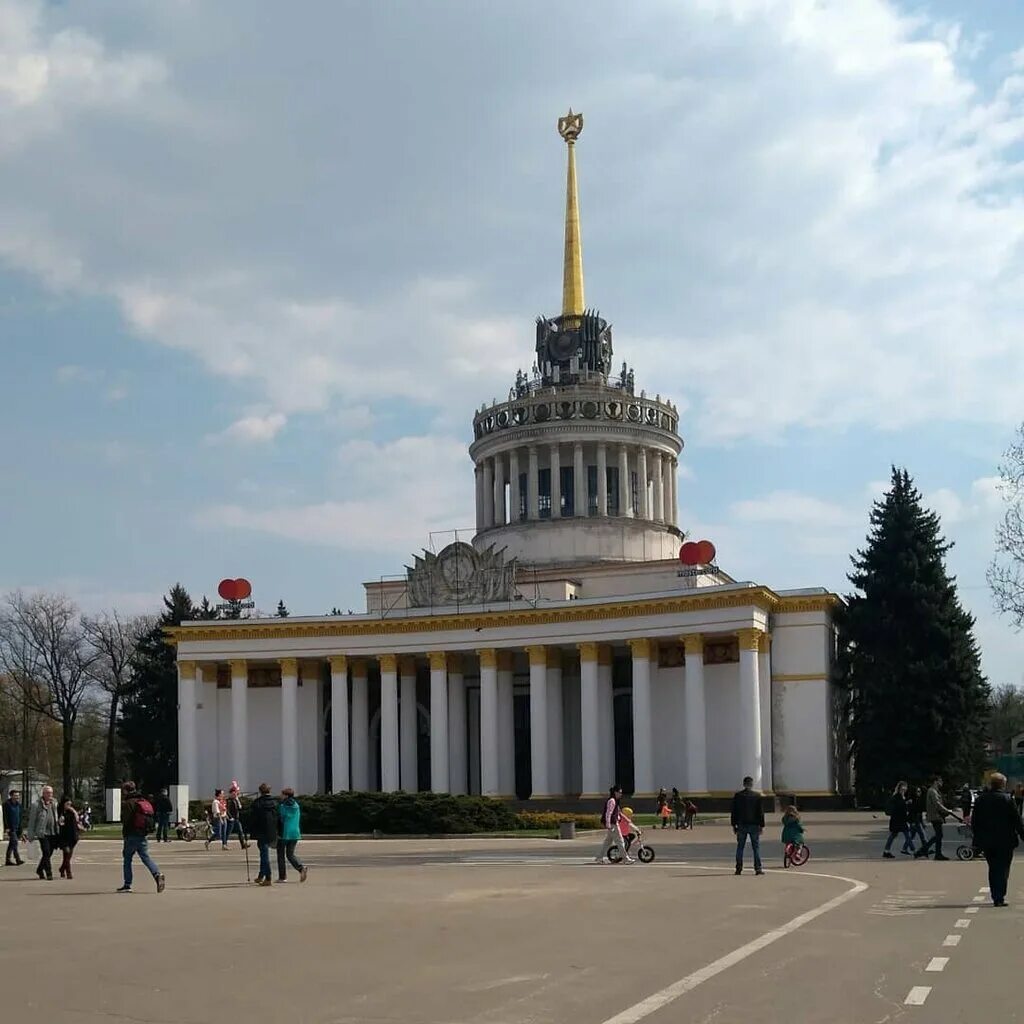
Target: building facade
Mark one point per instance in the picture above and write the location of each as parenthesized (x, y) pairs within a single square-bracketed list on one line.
[(563, 649)]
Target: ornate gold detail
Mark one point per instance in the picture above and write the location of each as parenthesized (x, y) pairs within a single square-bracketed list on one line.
[(186, 669), (798, 603), (693, 643), (388, 663), (506, 662), (289, 666), (488, 657), (750, 639), (538, 656), (438, 661), (339, 664), (569, 127), (641, 647)]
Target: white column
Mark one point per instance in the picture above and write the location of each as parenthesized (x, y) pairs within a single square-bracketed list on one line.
[(764, 680), (187, 743), (488, 493), (658, 512), (408, 726), (340, 778), (533, 484), (240, 725), (478, 473), (555, 462), (489, 722), (506, 724), (439, 722), (499, 490), (643, 510), (695, 732), (624, 481), (540, 785), (749, 753), (606, 717), (458, 755), (673, 492), (556, 724), (390, 774), (602, 479), (579, 480), (289, 723), (590, 721), (515, 498), (643, 766), (360, 728)]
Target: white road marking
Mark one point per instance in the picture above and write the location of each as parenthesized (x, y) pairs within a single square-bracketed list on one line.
[(671, 993), (962, 922), (937, 963), (984, 888), (952, 940), (917, 995), (970, 910), (978, 899)]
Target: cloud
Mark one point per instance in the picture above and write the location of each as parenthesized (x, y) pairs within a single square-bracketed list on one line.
[(794, 509), (252, 429)]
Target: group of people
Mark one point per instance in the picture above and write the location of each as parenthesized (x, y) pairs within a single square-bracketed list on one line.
[(678, 807), (52, 824), (908, 808), (225, 817)]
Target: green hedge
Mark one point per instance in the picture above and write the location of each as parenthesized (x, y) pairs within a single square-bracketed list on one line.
[(552, 819)]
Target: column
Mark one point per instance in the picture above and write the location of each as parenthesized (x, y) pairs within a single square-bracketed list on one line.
[(540, 785), (390, 764), (506, 724), (658, 512), (240, 725), (458, 755), (695, 731), (579, 480), (360, 728), (642, 507), (289, 723), (590, 721), (625, 495), (606, 716), (187, 742), (602, 479), (340, 778), (764, 680), (478, 474), (499, 490), (533, 484), (750, 707), (643, 767), (408, 726), (515, 499), (488, 493), (488, 722), (438, 722), (673, 485), (555, 461), (556, 724)]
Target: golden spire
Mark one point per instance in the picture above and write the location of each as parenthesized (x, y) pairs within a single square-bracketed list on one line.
[(569, 127)]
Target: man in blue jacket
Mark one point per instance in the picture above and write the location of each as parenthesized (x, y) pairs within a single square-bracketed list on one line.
[(12, 826)]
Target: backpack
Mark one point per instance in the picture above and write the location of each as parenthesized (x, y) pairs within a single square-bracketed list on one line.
[(143, 817)]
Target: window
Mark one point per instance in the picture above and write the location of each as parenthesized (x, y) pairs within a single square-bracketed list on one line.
[(591, 490), (612, 479), (544, 492), (568, 491), (522, 497)]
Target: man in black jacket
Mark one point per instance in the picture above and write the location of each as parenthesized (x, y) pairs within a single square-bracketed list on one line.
[(997, 830), (747, 821), (162, 806), (263, 828), (12, 826)]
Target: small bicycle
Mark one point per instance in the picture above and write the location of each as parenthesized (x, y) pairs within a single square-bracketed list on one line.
[(644, 853), (795, 855), (967, 851)]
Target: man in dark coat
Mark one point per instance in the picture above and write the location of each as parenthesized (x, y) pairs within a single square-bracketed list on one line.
[(263, 828), (12, 826), (747, 819), (997, 830)]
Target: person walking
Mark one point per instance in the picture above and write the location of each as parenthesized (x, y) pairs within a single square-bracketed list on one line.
[(663, 807), (747, 819), (137, 817), (898, 809), (12, 828), (288, 813), (610, 822), (42, 828), (966, 801), (915, 816), (234, 816), (67, 835), (678, 807), (163, 807), (997, 830), (936, 812), (219, 818), (264, 830)]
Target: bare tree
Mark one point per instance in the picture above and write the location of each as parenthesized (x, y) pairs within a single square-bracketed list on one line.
[(43, 649), (1006, 573), (112, 639)]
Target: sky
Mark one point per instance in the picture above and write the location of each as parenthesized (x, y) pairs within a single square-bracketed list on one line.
[(259, 263)]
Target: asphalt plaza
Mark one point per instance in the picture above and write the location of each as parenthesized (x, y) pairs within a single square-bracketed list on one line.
[(516, 931)]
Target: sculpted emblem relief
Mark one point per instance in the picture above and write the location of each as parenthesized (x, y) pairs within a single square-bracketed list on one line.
[(459, 574)]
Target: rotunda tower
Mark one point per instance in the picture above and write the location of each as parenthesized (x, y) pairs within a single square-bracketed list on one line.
[(576, 466)]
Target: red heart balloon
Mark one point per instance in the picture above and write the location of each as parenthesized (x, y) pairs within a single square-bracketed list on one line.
[(243, 588), (234, 590), (688, 553), (226, 589), (705, 552)]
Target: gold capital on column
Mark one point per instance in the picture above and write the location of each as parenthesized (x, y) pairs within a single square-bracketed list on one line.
[(641, 647), (455, 663), (693, 643), (588, 651), (505, 661), (239, 667), (339, 664), (187, 669), (388, 663), (289, 666), (438, 661), (407, 666), (488, 657), (538, 655), (604, 654), (750, 639)]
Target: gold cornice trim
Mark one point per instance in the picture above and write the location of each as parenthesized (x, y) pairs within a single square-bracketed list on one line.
[(800, 603), (284, 629)]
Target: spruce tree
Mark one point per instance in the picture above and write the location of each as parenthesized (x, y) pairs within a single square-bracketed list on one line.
[(908, 660), (282, 611), (149, 719)]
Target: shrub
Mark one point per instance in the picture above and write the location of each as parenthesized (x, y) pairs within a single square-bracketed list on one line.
[(552, 819)]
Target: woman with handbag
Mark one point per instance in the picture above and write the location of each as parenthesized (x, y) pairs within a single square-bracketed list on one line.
[(42, 829), (67, 835)]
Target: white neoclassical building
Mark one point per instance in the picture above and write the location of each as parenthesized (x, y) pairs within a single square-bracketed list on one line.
[(565, 648)]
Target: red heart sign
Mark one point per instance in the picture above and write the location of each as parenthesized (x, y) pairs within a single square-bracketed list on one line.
[(688, 553), (234, 590), (700, 553)]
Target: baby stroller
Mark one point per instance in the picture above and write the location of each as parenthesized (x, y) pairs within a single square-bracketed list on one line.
[(644, 853), (967, 851), (197, 830)]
